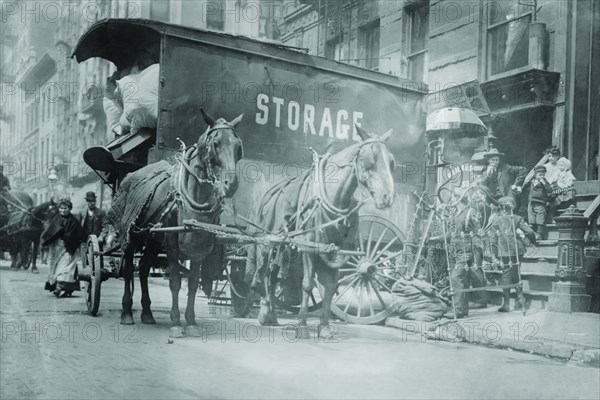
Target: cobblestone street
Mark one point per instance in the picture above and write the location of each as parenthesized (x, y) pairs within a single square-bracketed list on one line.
[(52, 345)]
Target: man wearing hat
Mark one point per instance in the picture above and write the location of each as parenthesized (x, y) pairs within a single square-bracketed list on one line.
[(540, 195), (466, 254), (92, 219), (500, 178), (508, 239)]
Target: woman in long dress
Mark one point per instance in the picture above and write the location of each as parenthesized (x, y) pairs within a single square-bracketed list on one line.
[(63, 235)]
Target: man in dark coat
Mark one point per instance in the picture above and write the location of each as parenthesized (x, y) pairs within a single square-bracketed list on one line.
[(502, 179), (466, 255), (92, 219), (509, 234)]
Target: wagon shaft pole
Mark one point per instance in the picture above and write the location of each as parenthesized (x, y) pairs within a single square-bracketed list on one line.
[(422, 244)]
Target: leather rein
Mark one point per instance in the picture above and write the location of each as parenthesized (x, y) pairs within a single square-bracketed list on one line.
[(191, 153), (320, 196), (320, 165)]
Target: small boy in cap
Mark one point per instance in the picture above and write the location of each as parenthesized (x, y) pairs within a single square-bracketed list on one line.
[(508, 234), (540, 195)]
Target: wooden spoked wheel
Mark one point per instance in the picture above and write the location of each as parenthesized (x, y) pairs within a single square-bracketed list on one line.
[(239, 291), (364, 292), (93, 261), (288, 292)]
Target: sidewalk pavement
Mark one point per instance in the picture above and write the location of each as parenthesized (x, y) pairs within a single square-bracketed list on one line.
[(574, 337)]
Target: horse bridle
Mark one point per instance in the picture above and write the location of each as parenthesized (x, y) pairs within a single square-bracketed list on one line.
[(320, 186), (192, 152)]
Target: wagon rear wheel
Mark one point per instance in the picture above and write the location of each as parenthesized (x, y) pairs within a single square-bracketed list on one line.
[(288, 292), (94, 262), (364, 293), (239, 290)]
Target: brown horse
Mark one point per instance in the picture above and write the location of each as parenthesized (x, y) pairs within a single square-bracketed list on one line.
[(192, 189), (33, 224), (22, 228), (322, 207)]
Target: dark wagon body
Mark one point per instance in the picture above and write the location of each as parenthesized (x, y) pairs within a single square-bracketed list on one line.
[(292, 102)]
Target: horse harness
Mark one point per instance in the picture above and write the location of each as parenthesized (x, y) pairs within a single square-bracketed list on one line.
[(180, 194), (319, 196)]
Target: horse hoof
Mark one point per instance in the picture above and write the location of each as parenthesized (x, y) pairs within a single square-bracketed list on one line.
[(302, 332), (35, 271), (176, 332), (192, 331), (267, 319), (147, 318), (127, 319), (326, 332)]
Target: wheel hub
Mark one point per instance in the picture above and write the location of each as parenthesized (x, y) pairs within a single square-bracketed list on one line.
[(367, 268)]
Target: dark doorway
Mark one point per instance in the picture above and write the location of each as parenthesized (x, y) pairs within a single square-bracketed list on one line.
[(524, 135)]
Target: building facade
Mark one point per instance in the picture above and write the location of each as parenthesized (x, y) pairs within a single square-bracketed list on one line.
[(529, 68), (26, 115)]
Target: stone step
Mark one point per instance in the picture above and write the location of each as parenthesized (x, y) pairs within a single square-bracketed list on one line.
[(539, 266), (537, 281), (534, 299), (587, 187), (535, 265), (543, 249), (584, 202), (536, 288)]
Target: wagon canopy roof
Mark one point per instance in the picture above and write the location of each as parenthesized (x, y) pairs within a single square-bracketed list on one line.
[(119, 40)]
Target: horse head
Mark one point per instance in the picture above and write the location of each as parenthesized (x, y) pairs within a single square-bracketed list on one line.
[(41, 214), (374, 167), (220, 149)]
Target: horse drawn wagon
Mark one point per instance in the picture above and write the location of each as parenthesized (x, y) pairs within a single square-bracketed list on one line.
[(305, 122)]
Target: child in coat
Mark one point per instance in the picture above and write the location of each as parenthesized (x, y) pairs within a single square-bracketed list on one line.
[(564, 189), (540, 195)]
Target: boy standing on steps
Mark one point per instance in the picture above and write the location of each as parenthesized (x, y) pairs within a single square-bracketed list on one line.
[(507, 238), (540, 194)]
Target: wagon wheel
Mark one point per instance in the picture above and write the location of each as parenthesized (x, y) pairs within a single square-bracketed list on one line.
[(94, 262), (288, 292), (364, 292), (238, 289)]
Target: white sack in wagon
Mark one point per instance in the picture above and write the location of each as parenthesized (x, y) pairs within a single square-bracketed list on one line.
[(139, 93), (418, 300)]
